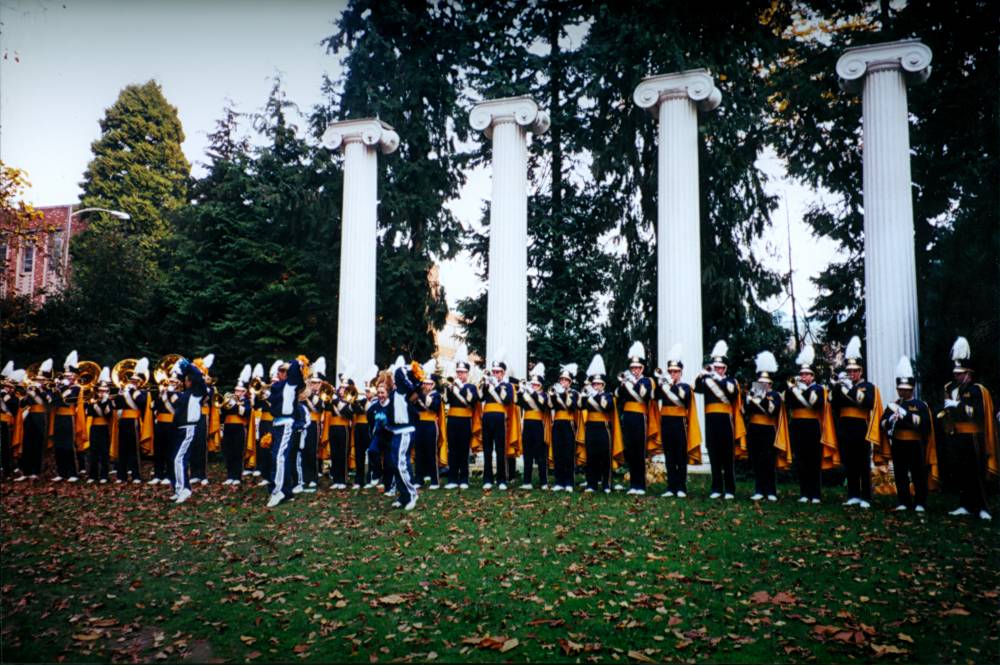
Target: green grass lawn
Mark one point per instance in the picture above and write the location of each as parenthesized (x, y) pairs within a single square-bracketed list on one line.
[(118, 573)]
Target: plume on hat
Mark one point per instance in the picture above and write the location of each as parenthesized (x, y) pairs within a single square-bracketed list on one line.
[(17, 376), (766, 362), (46, 365), (637, 350), (429, 368), (538, 370), (368, 376), (318, 369), (676, 351), (904, 370), (142, 367), (245, 374), (807, 355), (208, 361), (960, 349), (720, 349), (7, 369), (853, 348), (570, 368), (71, 360), (258, 371), (500, 356), (596, 366), (397, 363), (105, 376), (274, 367)]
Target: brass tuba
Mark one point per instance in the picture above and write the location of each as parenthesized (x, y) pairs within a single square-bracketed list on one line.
[(121, 373), (327, 392)]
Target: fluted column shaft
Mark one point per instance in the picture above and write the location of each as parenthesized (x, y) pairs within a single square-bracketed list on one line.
[(678, 243), (507, 122), (507, 302), (891, 318), (880, 73), (360, 140), (356, 309)]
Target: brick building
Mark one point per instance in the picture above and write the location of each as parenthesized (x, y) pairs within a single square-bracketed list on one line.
[(39, 266)]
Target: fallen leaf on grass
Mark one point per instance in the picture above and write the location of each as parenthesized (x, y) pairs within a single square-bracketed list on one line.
[(956, 612), (392, 599), (88, 637), (887, 649), (639, 656), (247, 639), (904, 637), (300, 648), (509, 644)]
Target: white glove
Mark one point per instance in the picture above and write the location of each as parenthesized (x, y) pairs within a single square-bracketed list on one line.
[(951, 403), (801, 386)]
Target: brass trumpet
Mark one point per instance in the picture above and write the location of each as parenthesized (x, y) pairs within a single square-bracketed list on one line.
[(327, 392)]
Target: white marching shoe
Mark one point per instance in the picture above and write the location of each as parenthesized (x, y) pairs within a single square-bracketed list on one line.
[(803, 499), (411, 505), (864, 505), (918, 509), (983, 515), (729, 496), (668, 494), (853, 501), (275, 499), (772, 497), (397, 504), (463, 486), (900, 508), (487, 486), (526, 486), (815, 501), (502, 487), (681, 494), (714, 495), (757, 497), (183, 496), (959, 512), (451, 486)]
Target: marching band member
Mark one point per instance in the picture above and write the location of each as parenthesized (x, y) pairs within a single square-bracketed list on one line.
[(908, 439), (498, 395), (135, 423), (208, 426), (309, 466), (236, 413), (264, 459), (37, 401), (565, 401), (536, 429), (680, 430), (380, 436), (187, 418), (68, 423), (601, 435), (163, 431), (428, 428), (284, 399), (810, 428), (341, 414), (635, 396), (724, 428), (968, 409), (101, 421), (401, 414), (250, 464), (10, 417), (360, 434), (463, 422), (767, 430), (858, 407)]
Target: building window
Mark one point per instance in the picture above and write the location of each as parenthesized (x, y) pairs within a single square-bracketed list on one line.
[(28, 258), (55, 252)]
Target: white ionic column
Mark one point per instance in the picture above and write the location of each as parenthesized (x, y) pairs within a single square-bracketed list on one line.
[(507, 122), (676, 99), (356, 311), (880, 73)]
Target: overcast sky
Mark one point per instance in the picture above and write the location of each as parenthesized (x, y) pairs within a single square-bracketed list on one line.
[(65, 61)]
